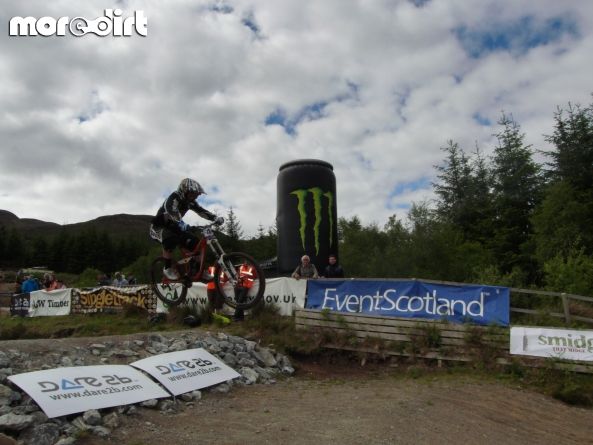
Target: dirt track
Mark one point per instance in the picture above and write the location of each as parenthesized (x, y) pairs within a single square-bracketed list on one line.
[(355, 409)]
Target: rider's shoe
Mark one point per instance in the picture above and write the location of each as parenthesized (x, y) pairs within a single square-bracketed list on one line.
[(171, 273), (220, 318)]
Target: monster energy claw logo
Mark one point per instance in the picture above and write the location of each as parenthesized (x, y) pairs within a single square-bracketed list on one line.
[(317, 193)]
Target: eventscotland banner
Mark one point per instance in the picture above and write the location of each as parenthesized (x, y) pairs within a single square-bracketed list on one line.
[(412, 298)]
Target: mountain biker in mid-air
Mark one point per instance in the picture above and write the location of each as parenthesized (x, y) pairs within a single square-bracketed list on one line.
[(169, 228)]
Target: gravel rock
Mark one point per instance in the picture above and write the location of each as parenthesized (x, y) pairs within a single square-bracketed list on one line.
[(92, 417), (265, 357), (249, 375), (5, 395), (44, 434), (100, 431), (15, 422), (152, 403)]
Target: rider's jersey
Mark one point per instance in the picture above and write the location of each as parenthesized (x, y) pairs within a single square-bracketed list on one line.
[(172, 211)]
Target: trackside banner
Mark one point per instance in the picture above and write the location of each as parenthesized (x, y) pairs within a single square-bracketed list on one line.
[(110, 298), (19, 304), (411, 298), (284, 293), (184, 371), (64, 391), (556, 343), (47, 304)]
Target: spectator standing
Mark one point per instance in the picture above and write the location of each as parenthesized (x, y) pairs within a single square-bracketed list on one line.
[(30, 284), (119, 280), (132, 279), (103, 280), (306, 269), (333, 269), (49, 282)]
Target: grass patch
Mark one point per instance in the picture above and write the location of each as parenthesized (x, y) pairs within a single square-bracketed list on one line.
[(83, 325)]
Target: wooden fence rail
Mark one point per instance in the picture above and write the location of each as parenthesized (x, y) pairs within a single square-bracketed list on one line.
[(421, 338)]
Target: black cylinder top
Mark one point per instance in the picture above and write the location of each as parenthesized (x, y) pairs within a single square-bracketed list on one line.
[(299, 162)]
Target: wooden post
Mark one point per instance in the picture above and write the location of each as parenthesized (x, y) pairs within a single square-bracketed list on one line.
[(565, 304)]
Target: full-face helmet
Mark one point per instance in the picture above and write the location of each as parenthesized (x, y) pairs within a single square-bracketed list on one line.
[(190, 189)]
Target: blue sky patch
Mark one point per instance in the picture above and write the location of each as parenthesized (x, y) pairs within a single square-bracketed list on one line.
[(516, 37), (310, 112), (249, 22), (406, 187), (482, 120), (221, 8), (96, 107)]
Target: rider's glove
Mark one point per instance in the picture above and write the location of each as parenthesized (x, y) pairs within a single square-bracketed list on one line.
[(219, 220), (183, 226)]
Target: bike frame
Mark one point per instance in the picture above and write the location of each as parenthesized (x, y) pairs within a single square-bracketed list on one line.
[(208, 239)]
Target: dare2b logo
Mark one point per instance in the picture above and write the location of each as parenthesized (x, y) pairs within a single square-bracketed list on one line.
[(183, 365), (110, 24), (82, 382)]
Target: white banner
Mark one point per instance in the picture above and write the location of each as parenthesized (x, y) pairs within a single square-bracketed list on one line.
[(185, 371), (64, 391), (196, 296), (557, 343), (286, 293), (55, 302)]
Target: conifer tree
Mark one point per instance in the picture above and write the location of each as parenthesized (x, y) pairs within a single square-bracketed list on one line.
[(516, 184)]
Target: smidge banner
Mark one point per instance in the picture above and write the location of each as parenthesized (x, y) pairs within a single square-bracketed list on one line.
[(108, 298), (411, 298), (556, 343)]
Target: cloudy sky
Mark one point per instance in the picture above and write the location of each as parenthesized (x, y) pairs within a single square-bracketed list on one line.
[(227, 91)]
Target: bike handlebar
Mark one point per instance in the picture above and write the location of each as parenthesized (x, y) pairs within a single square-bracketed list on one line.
[(207, 226)]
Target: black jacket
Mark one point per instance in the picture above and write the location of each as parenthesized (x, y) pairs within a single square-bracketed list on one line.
[(173, 210), (334, 271)]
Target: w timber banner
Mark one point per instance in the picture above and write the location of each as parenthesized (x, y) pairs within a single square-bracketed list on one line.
[(47, 304), (415, 299)]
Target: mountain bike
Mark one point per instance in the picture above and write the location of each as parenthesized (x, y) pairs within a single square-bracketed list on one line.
[(238, 277)]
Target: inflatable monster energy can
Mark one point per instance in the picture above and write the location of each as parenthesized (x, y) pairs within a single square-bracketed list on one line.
[(306, 213)]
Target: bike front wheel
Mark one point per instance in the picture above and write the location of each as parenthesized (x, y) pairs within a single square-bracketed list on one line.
[(168, 291), (243, 284)]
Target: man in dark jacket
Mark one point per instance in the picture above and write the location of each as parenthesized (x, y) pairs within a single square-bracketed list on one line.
[(333, 269)]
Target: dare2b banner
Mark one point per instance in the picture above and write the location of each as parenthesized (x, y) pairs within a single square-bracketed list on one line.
[(411, 298)]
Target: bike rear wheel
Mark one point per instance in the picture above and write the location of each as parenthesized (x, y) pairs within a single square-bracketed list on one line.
[(250, 283), (169, 292)]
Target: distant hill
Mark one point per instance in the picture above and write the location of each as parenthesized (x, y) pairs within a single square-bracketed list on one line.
[(118, 226)]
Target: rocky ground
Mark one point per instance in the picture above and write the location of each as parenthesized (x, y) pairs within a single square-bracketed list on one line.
[(22, 420), (338, 402)]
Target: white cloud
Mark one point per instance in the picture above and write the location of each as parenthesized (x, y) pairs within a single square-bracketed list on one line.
[(93, 126)]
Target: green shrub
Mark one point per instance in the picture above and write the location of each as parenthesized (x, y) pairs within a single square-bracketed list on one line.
[(572, 274)]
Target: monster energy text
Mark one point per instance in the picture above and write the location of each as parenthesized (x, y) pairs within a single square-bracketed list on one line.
[(317, 194)]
